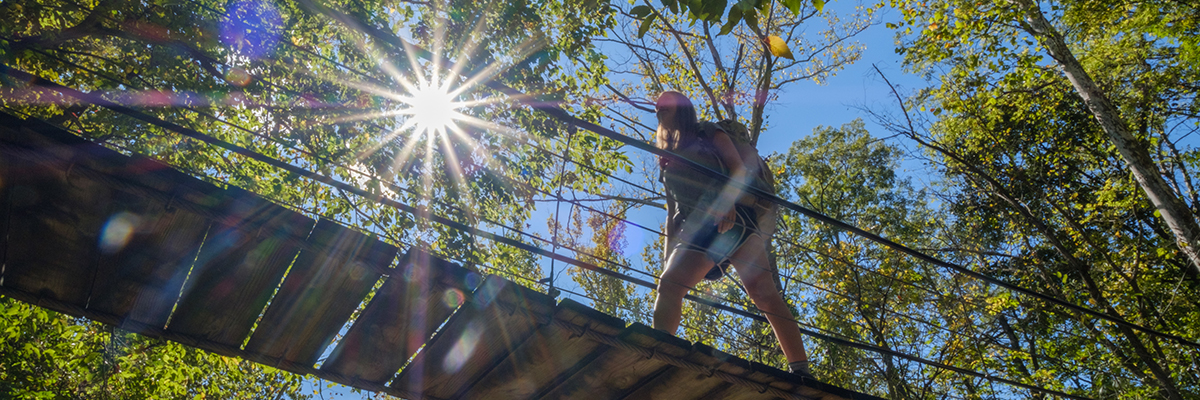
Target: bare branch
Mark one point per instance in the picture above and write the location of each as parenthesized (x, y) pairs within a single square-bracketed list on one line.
[(726, 99), (696, 71)]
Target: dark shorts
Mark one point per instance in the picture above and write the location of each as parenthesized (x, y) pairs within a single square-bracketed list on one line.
[(702, 236)]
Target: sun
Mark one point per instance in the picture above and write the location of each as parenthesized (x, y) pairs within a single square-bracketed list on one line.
[(431, 108)]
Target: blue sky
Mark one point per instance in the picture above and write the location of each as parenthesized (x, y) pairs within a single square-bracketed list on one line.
[(801, 108)]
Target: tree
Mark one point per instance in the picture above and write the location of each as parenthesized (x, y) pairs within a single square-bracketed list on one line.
[(730, 72), (1084, 23), (45, 354), (322, 85), (1051, 190), (735, 72), (851, 287)]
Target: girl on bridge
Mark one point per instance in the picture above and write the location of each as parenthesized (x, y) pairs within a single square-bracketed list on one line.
[(707, 227)]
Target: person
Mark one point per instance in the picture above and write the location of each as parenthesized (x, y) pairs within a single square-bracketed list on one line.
[(706, 226)]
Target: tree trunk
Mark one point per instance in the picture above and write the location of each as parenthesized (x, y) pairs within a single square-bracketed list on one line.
[(1055, 239), (1173, 210)]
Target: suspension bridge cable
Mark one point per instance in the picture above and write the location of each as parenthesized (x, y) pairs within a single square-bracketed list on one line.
[(519, 231), (389, 184), (364, 75), (554, 243), (423, 213), (565, 161), (395, 187), (562, 115)]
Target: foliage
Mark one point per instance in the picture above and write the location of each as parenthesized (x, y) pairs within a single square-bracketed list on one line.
[(321, 91), (280, 79), (714, 12), (1050, 197), (851, 287), (44, 354), (731, 74)]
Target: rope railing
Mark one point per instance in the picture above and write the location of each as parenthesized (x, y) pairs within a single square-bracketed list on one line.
[(403, 47), (421, 212), (516, 230), (652, 152)]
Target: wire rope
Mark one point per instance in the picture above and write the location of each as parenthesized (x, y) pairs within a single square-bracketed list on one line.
[(562, 115), (565, 161)]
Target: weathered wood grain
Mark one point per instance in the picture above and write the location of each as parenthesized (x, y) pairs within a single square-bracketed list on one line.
[(321, 290), (414, 301), (54, 220), (551, 355), (238, 269), (618, 371), (140, 280), (675, 382), (476, 339)]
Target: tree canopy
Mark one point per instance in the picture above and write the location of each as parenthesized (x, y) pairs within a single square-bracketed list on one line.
[(1058, 137)]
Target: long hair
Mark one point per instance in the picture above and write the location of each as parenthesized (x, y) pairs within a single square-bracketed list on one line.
[(677, 122)]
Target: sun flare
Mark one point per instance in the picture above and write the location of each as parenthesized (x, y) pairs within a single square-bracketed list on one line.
[(432, 108)]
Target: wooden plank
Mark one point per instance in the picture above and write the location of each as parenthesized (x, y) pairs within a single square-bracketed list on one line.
[(414, 301), (144, 247), (54, 221), (139, 280), (806, 387), (739, 367), (320, 292), (475, 339), (675, 382), (549, 356), (5, 210), (241, 264), (776, 378), (618, 371)]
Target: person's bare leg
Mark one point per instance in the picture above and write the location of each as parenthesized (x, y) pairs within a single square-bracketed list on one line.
[(684, 270), (759, 277)]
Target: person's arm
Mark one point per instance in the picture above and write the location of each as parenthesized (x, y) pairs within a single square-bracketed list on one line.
[(737, 172), (729, 155)]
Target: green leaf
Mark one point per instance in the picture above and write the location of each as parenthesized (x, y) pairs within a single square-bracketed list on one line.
[(641, 11), (715, 9), (645, 27), (793, 6), (673, 5), (819, 4), (751, 20), (779, 48), (735, 16)]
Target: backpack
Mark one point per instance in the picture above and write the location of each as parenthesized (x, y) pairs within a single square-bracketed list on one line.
[(764, 180)]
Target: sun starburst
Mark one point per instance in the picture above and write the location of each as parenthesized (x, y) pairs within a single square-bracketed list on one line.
[(431, 108)]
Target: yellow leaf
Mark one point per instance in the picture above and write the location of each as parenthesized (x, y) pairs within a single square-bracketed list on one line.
[(778, 47)]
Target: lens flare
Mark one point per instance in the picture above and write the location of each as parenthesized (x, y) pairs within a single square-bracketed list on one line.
[(461, 352), (453, 298), (117, 231), (252, 27)]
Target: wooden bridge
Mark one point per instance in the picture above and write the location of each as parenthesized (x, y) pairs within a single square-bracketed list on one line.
[(131, 242)]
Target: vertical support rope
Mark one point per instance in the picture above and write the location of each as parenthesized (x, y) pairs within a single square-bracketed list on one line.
[(558, 207)]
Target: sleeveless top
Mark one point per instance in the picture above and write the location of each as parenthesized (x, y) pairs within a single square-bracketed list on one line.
[(691, 189)]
